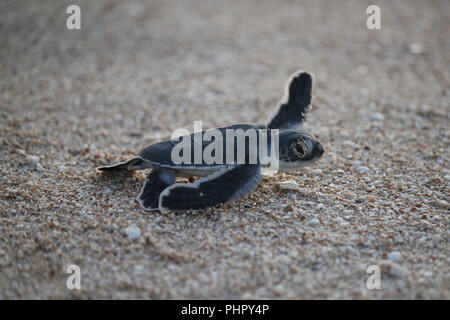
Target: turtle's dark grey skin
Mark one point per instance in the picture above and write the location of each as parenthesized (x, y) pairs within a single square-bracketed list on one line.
[(224, 181)]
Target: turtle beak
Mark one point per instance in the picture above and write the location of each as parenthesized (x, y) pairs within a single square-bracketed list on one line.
[(318, 151)]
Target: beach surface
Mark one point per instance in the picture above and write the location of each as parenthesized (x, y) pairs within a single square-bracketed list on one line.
[(72, 100)]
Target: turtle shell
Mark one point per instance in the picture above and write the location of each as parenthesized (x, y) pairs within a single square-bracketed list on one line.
[(161, 153)]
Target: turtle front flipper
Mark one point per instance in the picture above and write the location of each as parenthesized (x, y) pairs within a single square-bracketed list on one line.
[(132, 164), (292, 109), (223, 186), (158, 180)]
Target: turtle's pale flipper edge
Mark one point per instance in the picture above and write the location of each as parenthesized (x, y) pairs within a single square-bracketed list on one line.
[(158, 180), (132, 164), (292, 109), (221, 187)]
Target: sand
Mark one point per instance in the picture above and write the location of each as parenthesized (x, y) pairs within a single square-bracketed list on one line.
[(71, 100)]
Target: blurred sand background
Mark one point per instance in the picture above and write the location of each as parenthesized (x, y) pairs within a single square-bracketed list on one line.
[(137, 70)]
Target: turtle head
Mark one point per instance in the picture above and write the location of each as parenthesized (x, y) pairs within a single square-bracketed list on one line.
[(298, 149)]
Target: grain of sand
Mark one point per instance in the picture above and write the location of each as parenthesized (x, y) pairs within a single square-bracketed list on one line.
[(137, 70)]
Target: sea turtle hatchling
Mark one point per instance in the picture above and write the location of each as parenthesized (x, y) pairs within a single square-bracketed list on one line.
[(222, 181)]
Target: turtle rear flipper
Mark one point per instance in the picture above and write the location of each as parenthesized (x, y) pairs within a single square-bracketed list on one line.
[(132, 164), (292, 109), (224, 186), (158, 180)]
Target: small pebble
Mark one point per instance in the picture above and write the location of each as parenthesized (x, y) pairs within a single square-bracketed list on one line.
[(339, 220), (394, 256), (349, 143), (288, 185), (376, 117), (133, 232), (316, 171), (314, 222), (363, 169), (416, 48), (34, 163)]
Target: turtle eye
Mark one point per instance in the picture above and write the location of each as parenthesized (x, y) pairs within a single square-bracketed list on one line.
[(298, 148)]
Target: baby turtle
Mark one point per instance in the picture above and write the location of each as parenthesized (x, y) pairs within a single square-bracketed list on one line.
[(223, 180)]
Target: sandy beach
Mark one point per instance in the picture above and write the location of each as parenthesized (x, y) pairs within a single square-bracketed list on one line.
[(72, 100)]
